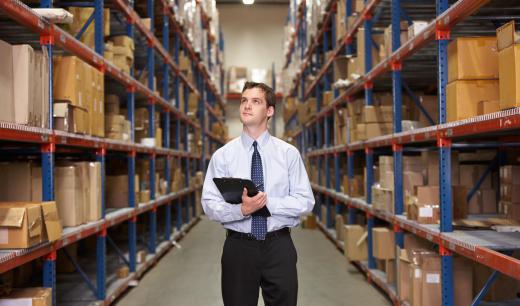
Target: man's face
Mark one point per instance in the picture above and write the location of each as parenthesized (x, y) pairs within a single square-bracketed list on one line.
[(253, 107)]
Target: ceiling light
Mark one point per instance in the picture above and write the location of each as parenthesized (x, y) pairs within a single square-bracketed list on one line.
[(248, 2)]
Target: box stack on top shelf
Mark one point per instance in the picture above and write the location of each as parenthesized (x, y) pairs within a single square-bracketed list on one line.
[(416, 152), (94, 137)]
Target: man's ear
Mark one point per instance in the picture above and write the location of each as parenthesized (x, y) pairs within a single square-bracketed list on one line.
[(270, 111)]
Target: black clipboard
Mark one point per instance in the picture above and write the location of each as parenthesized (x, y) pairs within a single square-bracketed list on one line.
[(231, 189)]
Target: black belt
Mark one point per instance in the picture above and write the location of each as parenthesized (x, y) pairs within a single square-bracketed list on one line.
[(248, 236)]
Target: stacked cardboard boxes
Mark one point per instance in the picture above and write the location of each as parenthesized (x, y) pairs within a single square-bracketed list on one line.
[(81, 16), (78, 96), (78, 192), (376, 120), (508, 43), (387, 50), (25, 224), (472, 76), (510, 191), (24, 85), (123, 51)]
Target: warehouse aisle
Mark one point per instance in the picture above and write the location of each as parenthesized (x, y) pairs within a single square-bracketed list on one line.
[(191, 275)]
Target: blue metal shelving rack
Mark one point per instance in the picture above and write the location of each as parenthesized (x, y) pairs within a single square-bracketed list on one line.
[(312, 139), (52, 37)]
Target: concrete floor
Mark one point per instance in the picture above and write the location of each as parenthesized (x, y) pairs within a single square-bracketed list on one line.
[(191, 275)]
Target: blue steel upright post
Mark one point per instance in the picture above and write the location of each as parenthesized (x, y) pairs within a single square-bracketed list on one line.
[(166, 127), (397, 103), (442, 36), (177, 88), (350, 48), (101, 236), (368, 151), (350, 175), (47, 155), (150, 52), (132, 222)]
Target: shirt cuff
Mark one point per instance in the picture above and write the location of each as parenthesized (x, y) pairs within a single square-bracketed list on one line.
[(236, 210), (272, 204)]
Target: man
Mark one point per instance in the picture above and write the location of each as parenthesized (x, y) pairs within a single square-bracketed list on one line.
[(259, 251)]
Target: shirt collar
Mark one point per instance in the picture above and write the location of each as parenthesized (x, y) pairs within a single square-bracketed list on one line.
[(247, 141)]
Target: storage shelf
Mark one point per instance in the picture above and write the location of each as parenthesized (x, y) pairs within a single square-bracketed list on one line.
[(21, 133), (135, 19), (116, 287), (299, 20), (24, 15), (168, 9), (10, 259), (482, 246), (485, 125), (216, 138), (453, 15), (374, 276), (349, 36)]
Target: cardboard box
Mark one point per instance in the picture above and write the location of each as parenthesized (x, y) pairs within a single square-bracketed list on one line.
[(390, 270), (428, 195), (17, 183), (405, 281), (388, 37), (473, 58), (95, 198), (340, 223), (6, 82), (68, 80), (52, 229), (424, 213), (509, 75), (28, 296), (20, 225), (141, 256), (510, 174), (328, 97), (123, 272), (416, 27), (69, 195), (470, 174), (488, 107), (70, 118), (117, 190), (355, 243), (375, 114), (341, 69), (309, 222), (383, 243), (378, 39), (124, 41), (463, 97), (507, 36)]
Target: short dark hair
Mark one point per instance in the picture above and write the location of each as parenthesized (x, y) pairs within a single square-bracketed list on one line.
[(270, 97)]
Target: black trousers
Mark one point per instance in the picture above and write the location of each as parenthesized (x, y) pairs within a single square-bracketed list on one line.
[(248, 265)]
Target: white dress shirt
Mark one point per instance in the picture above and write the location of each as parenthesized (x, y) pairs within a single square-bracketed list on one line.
[(289, 193)]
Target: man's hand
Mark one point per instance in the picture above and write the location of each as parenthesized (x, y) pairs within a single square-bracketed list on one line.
[(250, 205)]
